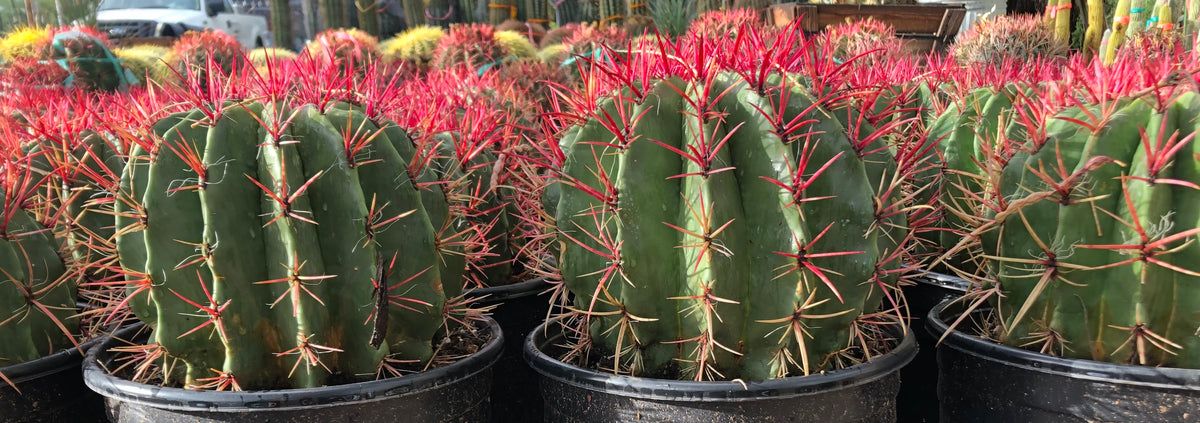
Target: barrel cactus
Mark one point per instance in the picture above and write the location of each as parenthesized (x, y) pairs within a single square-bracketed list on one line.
[(1090, 238), (37, 298), (416, 45), (268, 249), (145, 62), (995, 40), (345, 46), (192, 52), (723, 224)]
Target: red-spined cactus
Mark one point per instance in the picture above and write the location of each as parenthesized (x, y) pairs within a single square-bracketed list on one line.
[(995, 40), (476, 118), (480, 45), (588, 41), (725, 23), (192, 52), (340, 222), (38, 299), (870, 38), (474, 45), (685, 175), (557, 35), (533, 31), (1086, 229), (344, 46)]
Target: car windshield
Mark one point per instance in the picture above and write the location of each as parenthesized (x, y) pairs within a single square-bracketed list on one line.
[(150, 4)]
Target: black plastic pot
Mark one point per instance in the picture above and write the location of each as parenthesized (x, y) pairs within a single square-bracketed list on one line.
[(453, 393), (918, 380), (51, 390), (862, 393), (981, 381), (520, 308)]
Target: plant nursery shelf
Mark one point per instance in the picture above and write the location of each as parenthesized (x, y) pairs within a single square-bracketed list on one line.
[(929, 26)]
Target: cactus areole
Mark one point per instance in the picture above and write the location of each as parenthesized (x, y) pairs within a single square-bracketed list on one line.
[(721, 227), (275, 246)]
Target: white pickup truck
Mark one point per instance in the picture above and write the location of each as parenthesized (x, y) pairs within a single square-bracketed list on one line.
[(121, 19)]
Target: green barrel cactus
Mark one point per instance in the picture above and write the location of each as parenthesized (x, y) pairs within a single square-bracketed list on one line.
[(272, 246), (37, 296), (78, 170), (973, 132), (716, 228), (1092, 252), (465, 167)]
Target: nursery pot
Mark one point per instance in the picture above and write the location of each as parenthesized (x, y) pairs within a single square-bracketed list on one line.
[(862, 393), (918, 401), (982, 381), (454, 393), (519, 308), (51, 390)]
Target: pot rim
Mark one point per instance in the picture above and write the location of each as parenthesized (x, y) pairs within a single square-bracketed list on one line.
[(718, 391), (508, 292), (1097, 371), (941, 280), (62, 360), (168, 398)]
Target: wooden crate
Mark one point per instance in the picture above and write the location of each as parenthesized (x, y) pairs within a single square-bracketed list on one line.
[(929, 26)]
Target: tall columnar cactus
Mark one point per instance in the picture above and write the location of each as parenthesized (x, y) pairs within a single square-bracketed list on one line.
[(567, 12), (268, 249), (1095, 28), (612, 12), (537, 12), (1058, 16), (1139, 14), (414, 13), (281, 24), (333, 14), (713, 5), (501, 10), (368, 16), (1121, 22), (1092, 251), (720, 226)]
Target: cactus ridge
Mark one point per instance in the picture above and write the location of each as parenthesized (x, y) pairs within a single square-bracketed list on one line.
[(760, 266), (280, 218)]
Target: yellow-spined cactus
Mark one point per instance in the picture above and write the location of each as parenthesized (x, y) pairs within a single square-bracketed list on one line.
[(554, 54), (415, 45), (516, 44), (24, 43), (259, 56), (145, 61)]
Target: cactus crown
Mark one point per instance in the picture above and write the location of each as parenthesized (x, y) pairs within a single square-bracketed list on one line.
[(191, 52), (345, 45), (995, 40), (25, 42), (416, 45)]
